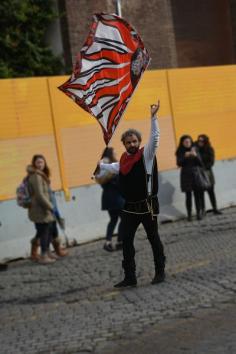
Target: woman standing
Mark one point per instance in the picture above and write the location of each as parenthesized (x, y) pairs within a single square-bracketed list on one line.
[(188, 160), (207, 154), (112, 200), (41, 208)]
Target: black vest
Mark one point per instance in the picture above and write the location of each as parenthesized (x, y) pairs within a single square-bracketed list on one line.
[(134, 187)]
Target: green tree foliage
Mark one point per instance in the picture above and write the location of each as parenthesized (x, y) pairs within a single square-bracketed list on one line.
[(23, 51)]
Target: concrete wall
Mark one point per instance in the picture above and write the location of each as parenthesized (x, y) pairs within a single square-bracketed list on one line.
[(85, 220)]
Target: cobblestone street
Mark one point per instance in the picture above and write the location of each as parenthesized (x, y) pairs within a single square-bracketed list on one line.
[(71, 306)]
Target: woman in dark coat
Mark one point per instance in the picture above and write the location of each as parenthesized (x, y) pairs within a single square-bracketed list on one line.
[(207, 154), (188, 160), (112, 200)]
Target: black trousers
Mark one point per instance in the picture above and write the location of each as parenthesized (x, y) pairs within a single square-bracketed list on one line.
[(212, 198), (199, 202), (130, 224)]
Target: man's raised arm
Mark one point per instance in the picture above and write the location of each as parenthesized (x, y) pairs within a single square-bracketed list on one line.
[(151, 147)]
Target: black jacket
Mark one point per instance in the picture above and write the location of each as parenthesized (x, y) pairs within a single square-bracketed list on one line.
[(188, 167), (207, 155)]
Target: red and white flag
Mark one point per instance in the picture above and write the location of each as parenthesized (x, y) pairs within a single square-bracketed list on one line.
[(107, 70)]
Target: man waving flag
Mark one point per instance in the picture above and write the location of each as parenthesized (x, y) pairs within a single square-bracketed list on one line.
[(108, 68)]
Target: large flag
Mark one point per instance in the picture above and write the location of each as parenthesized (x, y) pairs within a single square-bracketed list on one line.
[(108, 68)]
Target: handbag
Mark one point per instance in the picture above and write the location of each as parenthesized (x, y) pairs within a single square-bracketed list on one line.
[(202, 180)]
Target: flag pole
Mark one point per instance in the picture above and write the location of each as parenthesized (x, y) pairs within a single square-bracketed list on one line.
[(119, 13), (118, 8)]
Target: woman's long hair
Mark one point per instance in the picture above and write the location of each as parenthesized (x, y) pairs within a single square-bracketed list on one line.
[(205, 138), (109, 154), (46, 169), (181, 140)]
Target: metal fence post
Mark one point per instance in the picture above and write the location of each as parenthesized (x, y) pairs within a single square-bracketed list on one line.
[(58, 142)]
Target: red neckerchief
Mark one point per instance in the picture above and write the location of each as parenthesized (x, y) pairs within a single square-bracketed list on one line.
[(127, 161)]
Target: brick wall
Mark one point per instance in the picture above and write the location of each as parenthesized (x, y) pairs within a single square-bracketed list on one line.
[(79, 15), (152, 19), (177, 33), (203, 32), (233, 21)]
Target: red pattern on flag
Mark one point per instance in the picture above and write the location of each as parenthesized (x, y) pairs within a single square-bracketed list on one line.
[(107, 70)]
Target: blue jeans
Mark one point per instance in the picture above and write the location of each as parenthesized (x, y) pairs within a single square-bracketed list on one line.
[(114, 216), (44, 233)]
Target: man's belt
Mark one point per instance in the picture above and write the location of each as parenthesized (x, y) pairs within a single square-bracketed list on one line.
[(145, 206)]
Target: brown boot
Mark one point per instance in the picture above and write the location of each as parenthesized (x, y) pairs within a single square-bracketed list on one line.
[(52, 255), (57, 247), (35, 243), (46, 260)]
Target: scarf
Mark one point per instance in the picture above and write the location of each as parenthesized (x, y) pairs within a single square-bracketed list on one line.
[(127, 161)]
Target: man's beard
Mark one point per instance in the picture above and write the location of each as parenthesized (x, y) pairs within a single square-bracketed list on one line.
[(133, 150)]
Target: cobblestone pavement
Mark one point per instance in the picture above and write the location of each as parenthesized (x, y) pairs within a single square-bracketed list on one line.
[(205, 331), (71, 306)]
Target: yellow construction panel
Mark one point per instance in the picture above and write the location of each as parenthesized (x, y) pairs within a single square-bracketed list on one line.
[(81, 136), (83, 146), (25, 108), (204, 102), (152, 86), (67, 112), (16, 154), (25, 129)]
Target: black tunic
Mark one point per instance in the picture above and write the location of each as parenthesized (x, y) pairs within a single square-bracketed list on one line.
[(134, 189)]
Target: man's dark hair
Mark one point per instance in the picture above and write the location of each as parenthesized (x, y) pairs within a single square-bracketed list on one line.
[(131, 132)]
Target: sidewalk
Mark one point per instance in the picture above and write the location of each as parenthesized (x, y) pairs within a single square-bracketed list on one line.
[(71, 306)]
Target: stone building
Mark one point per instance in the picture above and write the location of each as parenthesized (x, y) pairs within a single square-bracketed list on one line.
[(177, 33)]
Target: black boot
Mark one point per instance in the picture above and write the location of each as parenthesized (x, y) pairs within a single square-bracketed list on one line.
[(127, 282), (3, 266), (199, 216), (159, 272), (158, 278), (189, 217), (130, 279), (217, 212)]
